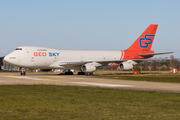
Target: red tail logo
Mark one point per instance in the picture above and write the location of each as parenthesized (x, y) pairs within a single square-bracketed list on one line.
[(145, 41)]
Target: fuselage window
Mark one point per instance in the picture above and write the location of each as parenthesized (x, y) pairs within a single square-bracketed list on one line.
[(18, 49)]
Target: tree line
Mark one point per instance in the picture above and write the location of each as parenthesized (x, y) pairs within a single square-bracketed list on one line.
[(159, 65)]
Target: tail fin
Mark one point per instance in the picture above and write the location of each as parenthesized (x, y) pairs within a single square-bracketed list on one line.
[(145, 41)]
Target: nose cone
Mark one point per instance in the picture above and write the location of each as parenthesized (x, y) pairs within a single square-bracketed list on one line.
[(11, 59), (6, 59)]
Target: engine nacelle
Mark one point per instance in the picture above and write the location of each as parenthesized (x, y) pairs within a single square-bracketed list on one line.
[(125, 66), (87, 68)]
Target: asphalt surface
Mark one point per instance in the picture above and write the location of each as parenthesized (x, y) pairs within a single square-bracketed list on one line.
[(81, 80)]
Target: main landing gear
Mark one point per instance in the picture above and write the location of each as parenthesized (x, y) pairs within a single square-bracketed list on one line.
[(69, 72), (91, 73), (82, 73)]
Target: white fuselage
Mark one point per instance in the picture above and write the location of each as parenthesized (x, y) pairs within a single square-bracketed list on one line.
[(85, 60), (47, 58)]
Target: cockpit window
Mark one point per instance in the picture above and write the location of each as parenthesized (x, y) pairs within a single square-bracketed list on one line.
[(18, 49)]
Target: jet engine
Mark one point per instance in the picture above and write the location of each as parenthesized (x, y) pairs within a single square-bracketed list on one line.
[(88, 68), (125, 66)]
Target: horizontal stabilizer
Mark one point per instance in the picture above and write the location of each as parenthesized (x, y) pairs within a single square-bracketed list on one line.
[(150, 54)]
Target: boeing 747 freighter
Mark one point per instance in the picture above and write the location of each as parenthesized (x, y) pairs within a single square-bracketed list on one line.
[(86, 61)]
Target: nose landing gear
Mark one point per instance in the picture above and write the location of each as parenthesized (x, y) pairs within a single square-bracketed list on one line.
[(23, 72)]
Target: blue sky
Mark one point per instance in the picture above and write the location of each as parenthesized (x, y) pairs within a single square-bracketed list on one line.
[(88, 25)]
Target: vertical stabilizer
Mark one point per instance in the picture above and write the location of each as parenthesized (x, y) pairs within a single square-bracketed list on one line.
[(145, 41)]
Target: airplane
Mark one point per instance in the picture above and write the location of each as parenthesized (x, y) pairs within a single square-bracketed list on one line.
[(87, 61)]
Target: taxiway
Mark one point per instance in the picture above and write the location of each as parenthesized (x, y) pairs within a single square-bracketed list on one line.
[(77, 80)]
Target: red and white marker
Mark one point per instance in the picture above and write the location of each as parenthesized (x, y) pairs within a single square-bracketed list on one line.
[(174, 70)]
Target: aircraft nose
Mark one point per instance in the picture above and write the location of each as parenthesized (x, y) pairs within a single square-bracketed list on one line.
[(5, 59), (10, 59)]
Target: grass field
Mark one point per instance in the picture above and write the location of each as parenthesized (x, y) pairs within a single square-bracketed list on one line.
[(153, 76), (69, 102)]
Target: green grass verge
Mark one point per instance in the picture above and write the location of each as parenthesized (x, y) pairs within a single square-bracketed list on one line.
[(71, 102), (152, 78)]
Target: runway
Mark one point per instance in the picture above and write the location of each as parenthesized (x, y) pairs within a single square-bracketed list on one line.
[(78, 80)]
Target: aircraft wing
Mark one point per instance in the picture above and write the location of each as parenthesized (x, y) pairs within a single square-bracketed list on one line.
[(76, 65), (84, 62)]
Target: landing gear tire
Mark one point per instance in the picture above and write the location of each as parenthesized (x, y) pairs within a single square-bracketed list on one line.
[(23, 73), (91, 73), (68, 73), (81, 73), (86, 73)]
